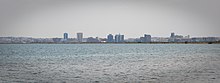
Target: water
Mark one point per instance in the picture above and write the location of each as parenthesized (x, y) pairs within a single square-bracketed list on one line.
[(146, 63)]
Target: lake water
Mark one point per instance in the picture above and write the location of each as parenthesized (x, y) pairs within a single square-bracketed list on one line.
[(107, 63)]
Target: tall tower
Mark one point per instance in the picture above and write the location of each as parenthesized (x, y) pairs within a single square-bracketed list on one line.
[(79, 37), (65, 36), (110, 38), (122, 38), (172, 35), (119, 38)]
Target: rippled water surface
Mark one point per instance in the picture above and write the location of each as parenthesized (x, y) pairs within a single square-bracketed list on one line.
[(145, 63)]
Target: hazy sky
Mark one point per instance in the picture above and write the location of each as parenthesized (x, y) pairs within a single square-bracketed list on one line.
[(133, 18)]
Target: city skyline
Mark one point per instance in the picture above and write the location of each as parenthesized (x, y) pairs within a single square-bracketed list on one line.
[(117, 38), (81, 35), (50, 18)]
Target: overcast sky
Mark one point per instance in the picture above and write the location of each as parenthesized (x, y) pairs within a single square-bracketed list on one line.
[(133, 18)]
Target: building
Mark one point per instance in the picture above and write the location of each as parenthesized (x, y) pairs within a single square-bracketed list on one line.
[(178, 36), (65, 36), (205, 39), (110, 38), (102, 39), (79, 37), (56, 40), (119, 38), (92, 40), (146, 38), (122, 39), (159, 39), (172, 35), (188, 36)]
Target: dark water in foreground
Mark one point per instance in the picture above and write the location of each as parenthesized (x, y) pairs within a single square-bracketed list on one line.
[(145, 63)]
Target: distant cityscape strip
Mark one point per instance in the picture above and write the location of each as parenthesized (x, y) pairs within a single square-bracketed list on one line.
[(118, 38)]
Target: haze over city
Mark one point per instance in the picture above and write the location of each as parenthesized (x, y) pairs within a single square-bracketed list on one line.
[(51, 18)]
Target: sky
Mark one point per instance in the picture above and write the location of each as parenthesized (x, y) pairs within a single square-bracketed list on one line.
[(133, 18)]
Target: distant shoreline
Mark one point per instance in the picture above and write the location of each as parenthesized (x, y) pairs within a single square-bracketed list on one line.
[(118, 43)]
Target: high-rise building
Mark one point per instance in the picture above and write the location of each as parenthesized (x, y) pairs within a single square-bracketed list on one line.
[(122, 38), (146, 38), (79, 37), (110, 38), (172, 35), (65, 36), (119, 38)]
